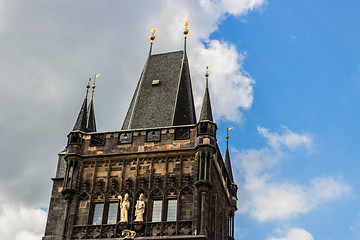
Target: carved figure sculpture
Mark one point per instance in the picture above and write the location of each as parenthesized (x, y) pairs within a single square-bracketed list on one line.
[(124, 206), (140, 209), (128, 234)]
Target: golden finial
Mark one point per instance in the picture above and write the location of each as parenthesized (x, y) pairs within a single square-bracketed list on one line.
[(207, 72), (207, 75), (152, 36), (93, 79), (227, 132), (186, 30)]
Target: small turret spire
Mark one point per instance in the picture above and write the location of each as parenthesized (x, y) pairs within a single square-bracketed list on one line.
[(80, 124), (206, 112), (186, 32), (152, 38), (227, 156)]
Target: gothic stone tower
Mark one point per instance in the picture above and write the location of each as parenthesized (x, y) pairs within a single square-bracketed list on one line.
[(162, 159)]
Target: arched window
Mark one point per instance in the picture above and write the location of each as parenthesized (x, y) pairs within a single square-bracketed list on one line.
[(171, 209), (231, 224), (97, 209), (112, 213), (104, 211), (156, 205), (171, 204), (156, 211), (111, 208), (98, 213)]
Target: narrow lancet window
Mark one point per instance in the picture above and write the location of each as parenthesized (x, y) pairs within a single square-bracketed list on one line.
[(112, 213), (172, 209), (156, 213), (98, 213)]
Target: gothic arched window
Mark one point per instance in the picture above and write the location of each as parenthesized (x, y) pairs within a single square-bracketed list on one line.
[(112, 213), (156, 206), (98, 213), (156, 211), (171, 204)]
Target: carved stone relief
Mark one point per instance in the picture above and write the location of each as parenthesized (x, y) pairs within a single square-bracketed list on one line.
[(128, 234)]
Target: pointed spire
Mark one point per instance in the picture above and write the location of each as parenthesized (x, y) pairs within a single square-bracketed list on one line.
[(186, 32), (227, 157), (90, 123), (80, 124), (206, 113)]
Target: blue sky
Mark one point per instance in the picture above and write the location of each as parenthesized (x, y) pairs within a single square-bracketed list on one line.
[(286, 76), (304, 57)]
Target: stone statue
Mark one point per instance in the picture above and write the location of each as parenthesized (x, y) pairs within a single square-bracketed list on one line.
[(140, 209), (124, 206)]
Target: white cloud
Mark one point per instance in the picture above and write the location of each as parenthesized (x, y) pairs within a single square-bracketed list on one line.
[(288, 139), (26, 235), (21, 223), (237, 7), (227, 78), (294, 234), (265, 198)]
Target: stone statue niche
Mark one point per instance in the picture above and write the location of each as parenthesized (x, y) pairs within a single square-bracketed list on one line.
[(140, 209), (124, 206)]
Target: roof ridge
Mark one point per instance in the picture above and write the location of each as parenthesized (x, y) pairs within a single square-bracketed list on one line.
[(157, 54)]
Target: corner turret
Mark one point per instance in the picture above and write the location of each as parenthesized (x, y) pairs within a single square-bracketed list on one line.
[(80, 124), (206, 112), (206, 125), (227, 157), (90, 121)]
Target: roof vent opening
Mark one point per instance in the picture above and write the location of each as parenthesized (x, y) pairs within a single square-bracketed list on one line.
[(155, 82)]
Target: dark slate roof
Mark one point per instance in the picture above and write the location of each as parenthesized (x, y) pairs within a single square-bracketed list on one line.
[(228, 163), (168, 103), (206, 113), (90, 123), (80, 124)]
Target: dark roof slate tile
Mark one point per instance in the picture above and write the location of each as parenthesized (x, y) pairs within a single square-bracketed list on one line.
[(167, 103)]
